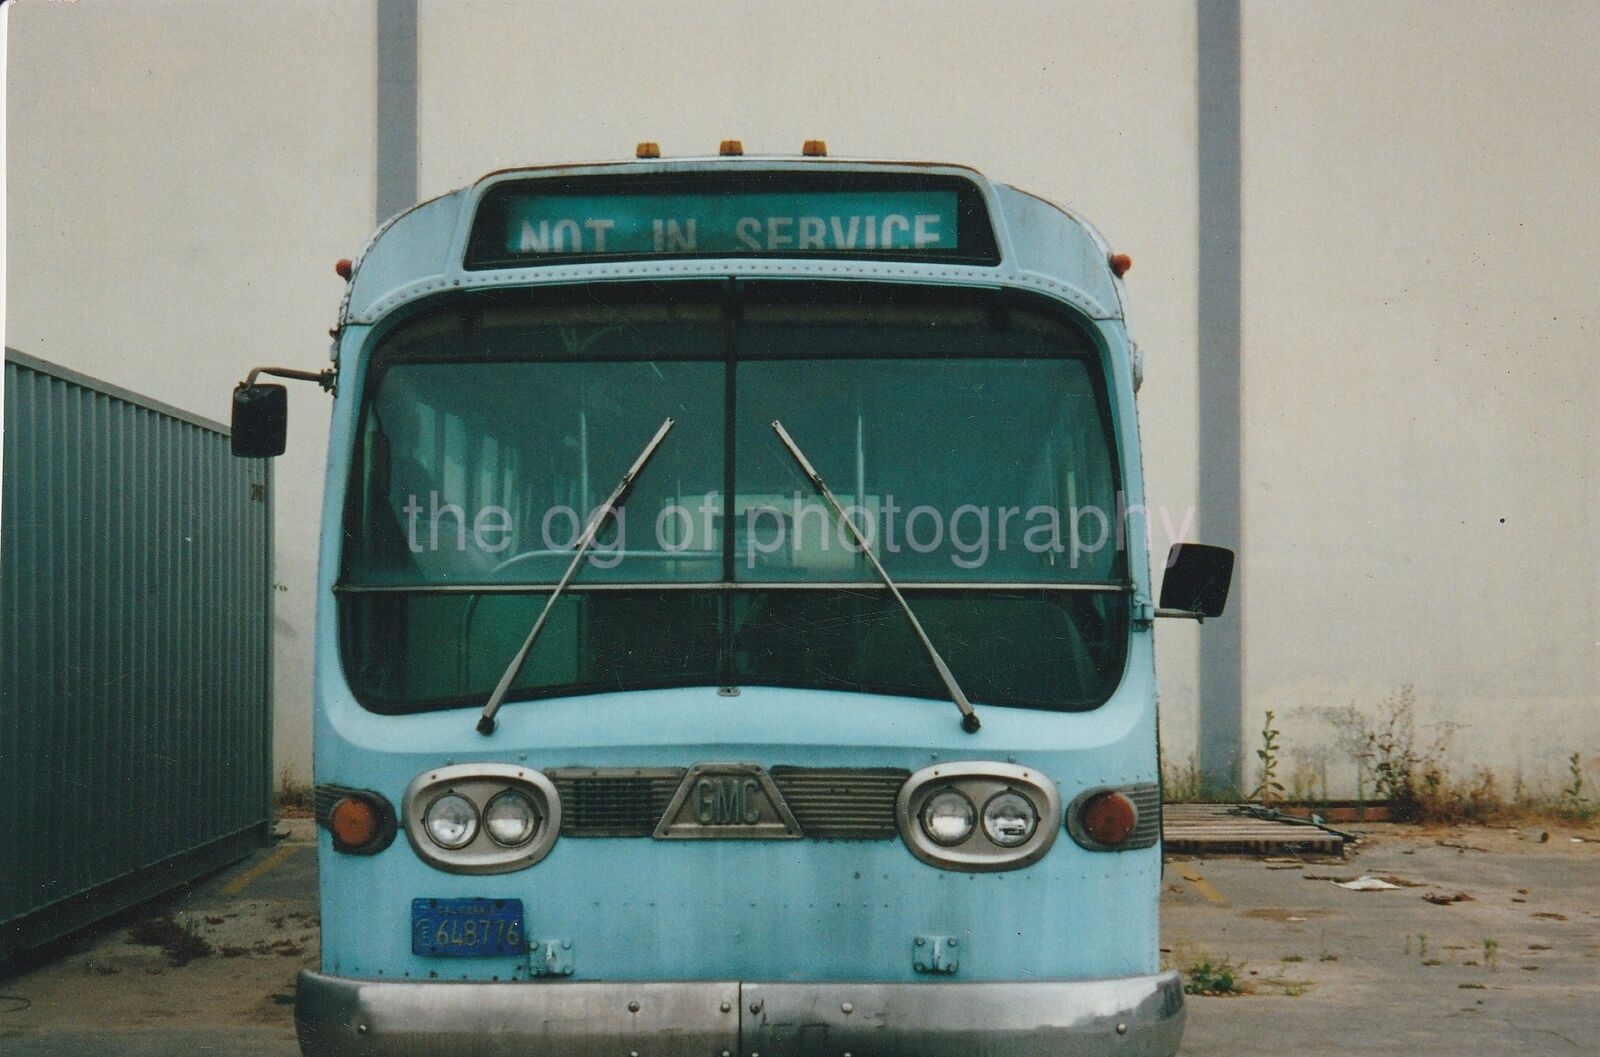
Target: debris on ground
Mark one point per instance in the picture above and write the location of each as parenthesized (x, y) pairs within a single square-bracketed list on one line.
[(1366, 883), (1440, 899), (1535, 836), (178, 943)]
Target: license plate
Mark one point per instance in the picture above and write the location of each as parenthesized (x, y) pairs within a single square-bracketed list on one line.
[(467, 928)]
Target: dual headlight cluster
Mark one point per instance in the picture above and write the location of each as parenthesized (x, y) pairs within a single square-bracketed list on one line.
[(510, 819), (978, 815), (482, 818), (949, 816)]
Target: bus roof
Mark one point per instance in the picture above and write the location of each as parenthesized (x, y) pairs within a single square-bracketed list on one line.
[(1035, 244)]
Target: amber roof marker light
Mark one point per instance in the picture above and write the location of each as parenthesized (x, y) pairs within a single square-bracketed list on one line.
[(647, 149), (731, 148), (1120, 263), (815, 148)]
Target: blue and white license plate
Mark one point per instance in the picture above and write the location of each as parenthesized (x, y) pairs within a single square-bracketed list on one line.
[(467, 928)]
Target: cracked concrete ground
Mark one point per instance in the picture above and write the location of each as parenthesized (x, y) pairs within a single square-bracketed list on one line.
[(1513, 969)]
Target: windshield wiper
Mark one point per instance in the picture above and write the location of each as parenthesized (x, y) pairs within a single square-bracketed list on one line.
[(590, 531), (969, 718)]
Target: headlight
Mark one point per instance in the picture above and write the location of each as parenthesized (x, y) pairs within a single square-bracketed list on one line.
[(948, 817), (1009, 818), (451, 821), (510, 819), (978, 815)]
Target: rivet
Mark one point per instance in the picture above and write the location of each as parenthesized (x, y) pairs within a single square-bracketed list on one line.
[(953, 941), (566, 945), (1122, 1029), (361, 1029), (726, 1005), (633, 1007), (847, 1008), (920, 941), (755, 1007)]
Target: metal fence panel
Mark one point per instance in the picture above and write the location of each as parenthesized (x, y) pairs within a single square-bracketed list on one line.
[(135, 665)]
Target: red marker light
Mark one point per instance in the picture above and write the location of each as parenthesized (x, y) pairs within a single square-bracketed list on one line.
[(344, 266), (1108, 818), (1120, 263)]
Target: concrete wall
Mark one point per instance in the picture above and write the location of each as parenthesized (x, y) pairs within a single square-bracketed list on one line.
[(1418, 253), (1420, 380)]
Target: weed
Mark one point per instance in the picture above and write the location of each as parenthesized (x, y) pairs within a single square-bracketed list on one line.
[(1269, 787), (1183, 784), (1574, 805), (1327, 956), (294, 798), (1422, 947), (1291, 958), (1490, 949), (1213, 976)]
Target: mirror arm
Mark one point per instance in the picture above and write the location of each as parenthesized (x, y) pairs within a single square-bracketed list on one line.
[(1184, 614), (325, 378)]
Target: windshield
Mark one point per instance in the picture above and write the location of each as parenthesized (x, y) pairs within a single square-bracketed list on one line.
[(966, 434)]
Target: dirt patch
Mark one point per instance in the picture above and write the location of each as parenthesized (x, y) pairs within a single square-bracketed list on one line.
[(179, 944), (286, 947), (1281, 914)]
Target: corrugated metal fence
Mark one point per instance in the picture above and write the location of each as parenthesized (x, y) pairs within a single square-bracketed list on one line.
[(135, 608)]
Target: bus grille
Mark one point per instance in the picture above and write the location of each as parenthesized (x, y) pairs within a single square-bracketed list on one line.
[(841, 803), (828, 803), (614, 802)]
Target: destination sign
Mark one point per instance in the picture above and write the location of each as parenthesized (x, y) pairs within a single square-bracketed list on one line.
[(823, 222), (818, 214)]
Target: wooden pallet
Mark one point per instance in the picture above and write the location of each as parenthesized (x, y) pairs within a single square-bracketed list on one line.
[(1209, 829)]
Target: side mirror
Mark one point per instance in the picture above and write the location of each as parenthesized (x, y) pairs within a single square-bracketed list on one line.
[(1197, 580), (260, 420)]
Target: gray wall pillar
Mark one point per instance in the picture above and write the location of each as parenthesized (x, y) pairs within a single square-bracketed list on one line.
[(1221, 659), (397, 107)]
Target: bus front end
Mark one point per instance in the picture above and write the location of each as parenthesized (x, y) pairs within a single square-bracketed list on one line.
[(735, 627)]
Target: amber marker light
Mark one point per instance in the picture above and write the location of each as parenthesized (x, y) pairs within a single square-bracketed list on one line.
[(647, 149), (731, 148), (815, 148), (1108, 818), (353, 823)]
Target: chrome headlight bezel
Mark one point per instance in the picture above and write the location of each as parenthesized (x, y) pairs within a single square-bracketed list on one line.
[(979, 781), (481, 784)]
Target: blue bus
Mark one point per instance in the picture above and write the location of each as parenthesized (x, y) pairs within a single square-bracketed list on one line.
[(732, 637)]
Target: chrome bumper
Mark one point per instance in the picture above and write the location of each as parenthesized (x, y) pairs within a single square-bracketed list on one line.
[(1138, 1016)]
